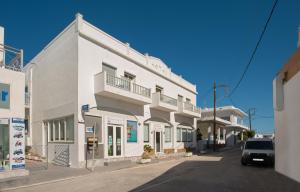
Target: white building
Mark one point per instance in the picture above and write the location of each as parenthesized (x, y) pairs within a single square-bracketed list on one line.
[(12, 85), (286, 94), (133, 99), (229, 123)]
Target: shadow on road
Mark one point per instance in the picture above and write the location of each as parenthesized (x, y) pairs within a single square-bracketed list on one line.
[(224, 175)]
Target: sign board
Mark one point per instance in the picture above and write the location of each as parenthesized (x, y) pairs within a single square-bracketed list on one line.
[(89, 129), (17, 143), (114, 121), (85, 108), (4, 96)]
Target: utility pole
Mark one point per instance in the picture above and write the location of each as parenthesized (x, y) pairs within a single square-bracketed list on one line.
[(215, 87), (251, 112)]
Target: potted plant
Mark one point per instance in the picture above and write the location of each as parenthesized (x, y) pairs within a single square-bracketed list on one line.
[(188, 152), (147, 154)]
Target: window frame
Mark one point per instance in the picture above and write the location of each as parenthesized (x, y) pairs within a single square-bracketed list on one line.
[(170, 134), (148, 133), (51, 130)]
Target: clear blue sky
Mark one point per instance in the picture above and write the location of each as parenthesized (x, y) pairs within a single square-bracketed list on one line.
[(201, 40)]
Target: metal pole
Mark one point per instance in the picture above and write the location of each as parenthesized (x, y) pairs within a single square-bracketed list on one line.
[(250, 125), (214, 134), (94, 136)]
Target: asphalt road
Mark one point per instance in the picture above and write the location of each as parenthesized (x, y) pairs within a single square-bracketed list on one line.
[(218, 172)]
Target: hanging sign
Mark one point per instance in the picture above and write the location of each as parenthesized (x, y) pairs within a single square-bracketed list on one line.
[(17, 143)]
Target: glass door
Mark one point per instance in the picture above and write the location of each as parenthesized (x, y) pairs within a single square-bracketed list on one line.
[(114, 141), (4, 147), (157, 143)]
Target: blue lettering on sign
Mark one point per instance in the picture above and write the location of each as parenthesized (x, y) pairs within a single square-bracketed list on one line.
[(4, 95)]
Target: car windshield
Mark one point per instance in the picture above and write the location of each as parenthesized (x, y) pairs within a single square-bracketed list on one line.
[(259, 145)]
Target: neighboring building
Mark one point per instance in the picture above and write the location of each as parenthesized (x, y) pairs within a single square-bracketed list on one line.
[(12, 85), (131, 99), (286, 94), (229, 123)]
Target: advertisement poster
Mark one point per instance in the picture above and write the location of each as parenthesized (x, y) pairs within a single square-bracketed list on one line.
[(17, 143), (131, 131)]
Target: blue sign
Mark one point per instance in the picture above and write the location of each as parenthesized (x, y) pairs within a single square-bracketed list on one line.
[(4, 96), (85, 108)]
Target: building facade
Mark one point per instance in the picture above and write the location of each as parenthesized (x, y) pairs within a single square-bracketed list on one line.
[(12, 128), (229, 124), (87, 86), (286, 94)]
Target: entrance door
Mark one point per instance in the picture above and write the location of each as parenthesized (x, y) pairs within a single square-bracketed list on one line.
[(114, 141), (4, 146), (157, 141)]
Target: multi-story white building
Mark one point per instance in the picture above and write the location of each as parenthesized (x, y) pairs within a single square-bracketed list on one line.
[(133, 99), (229, 123), (286, 94), (12, 85)]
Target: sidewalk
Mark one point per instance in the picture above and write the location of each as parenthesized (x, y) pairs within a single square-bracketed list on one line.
[(58, 173)]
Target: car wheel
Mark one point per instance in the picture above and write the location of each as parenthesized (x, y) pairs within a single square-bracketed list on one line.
[(243, 162)]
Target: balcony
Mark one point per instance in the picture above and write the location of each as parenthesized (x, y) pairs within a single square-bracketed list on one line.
[(163, 102), (111, 86), (11, 58), (27, 100), (188, 109)]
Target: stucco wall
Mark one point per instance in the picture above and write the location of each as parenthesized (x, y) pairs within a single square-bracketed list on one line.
[(53, 86), (287, 124), (16, 80)]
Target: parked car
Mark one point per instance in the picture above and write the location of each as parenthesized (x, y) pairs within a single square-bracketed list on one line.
[(18, 152), (258, 151)]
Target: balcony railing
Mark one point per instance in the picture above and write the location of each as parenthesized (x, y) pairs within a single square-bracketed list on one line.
[(190, 107), (126, 85), (167, 99), (11, 58), (27, 99)]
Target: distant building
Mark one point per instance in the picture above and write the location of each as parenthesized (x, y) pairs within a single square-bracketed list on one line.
[(286, 95), (229, 123)]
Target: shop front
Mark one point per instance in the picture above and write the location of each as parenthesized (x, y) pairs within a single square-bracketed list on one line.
[(12, 147)]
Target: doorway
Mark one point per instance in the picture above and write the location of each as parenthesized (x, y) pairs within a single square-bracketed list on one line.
[(157, 142), (4, 147), (114, 141)]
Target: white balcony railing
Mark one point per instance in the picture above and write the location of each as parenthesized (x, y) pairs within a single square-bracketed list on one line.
[(27, 99), (190, 107), (167, 99), (125, 84)]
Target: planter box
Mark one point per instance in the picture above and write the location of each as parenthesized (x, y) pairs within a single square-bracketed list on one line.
[(188, 154), (144, 161)]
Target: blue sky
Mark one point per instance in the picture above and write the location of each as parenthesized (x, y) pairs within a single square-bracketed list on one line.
[(201, 40)]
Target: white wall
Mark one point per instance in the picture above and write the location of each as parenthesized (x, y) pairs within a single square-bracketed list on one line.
[(287, 131), (16, 80), (54, 85)]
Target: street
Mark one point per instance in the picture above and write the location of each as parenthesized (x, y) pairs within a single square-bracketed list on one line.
[(219, 172)]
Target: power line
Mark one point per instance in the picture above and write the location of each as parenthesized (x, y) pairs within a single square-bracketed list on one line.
[(255, 49)]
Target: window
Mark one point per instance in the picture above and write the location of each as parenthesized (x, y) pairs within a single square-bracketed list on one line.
[(178, 135), (146, 133), (129, 76), (60, 130), (189, 136), (168, 134), (180, 98), (158, 89), (184, 135), (109, 69), (188, 100)]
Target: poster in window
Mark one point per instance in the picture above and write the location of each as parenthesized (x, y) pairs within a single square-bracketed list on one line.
[(17, 143), (131, 131)]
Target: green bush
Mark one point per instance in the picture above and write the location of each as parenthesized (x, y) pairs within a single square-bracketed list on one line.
[(148, 148)]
